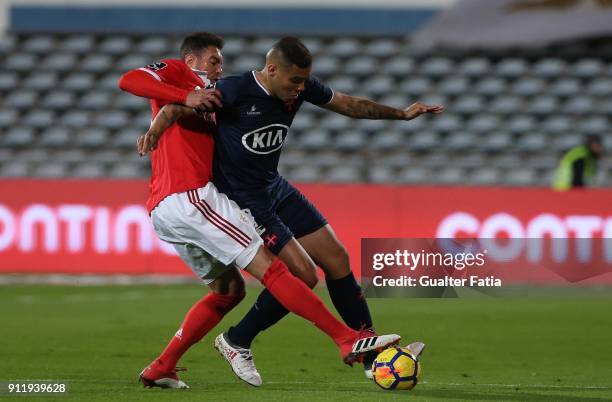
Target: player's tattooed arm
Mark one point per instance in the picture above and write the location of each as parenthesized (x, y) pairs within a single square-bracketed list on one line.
[(362, 108), (166, 117)]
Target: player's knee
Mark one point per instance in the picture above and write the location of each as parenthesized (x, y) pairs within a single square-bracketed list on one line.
[(308, 275), (340, 259)]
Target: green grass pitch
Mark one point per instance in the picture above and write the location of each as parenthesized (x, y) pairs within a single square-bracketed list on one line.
[(99, 338)]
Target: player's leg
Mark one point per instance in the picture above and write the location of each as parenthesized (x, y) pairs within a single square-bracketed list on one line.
[(328, 253), (210, 236), (267, 311), (298, 298), (226, 292)]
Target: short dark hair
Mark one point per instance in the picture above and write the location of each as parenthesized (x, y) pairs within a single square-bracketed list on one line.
[(293, 51), (200, 41)]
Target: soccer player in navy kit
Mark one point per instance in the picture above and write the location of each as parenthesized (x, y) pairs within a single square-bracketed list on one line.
[(258, 109)]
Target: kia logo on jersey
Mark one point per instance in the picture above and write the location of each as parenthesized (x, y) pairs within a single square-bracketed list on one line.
[(265, 140)]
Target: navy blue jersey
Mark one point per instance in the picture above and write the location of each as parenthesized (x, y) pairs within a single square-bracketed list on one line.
[(252, 127)]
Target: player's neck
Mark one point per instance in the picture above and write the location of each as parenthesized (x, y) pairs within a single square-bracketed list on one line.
[(262, 78)]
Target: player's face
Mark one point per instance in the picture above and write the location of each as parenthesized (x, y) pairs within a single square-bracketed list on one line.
[(209, 60), (288, 82)]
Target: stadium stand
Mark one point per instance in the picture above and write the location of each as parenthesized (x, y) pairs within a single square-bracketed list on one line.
[(508, 118)]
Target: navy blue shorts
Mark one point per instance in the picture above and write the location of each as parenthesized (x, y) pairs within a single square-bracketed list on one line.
[(282, 212)]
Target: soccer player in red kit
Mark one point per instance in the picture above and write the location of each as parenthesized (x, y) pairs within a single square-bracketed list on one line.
[(209, 231)]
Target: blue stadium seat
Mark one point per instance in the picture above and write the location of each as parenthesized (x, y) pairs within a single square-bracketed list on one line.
[(39, 44), (474, 67), (154, 45), (8, 117), (484, 176), (507, 104), (78, 44), (88, 170), (459, 141), (382, 48), (8, 81), (361, 66), (56, 137), (22, 99), (437, 67), (15, 169), (305, 174), (18, 136), (58, 99), (468, 104), (381, 174), (351, 141), (59, 62), (512, 67), (96, 63), (344, 47), (117, 45), (343, 174), (454, 85), (399, 66), (532, 142), (388, 140), (38, 118), (40, 81), (549, 68), (414, 175), (93, 137), (75, 118), (587, 68), (527, 86), (20, 62), (78, 82), (565, 87), (543, 105)]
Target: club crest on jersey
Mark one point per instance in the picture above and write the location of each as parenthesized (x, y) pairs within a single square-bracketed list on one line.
[(265, 140)]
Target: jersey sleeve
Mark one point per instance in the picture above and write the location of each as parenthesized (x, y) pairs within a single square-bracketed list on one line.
[(169, 71), (316, 92), (157, 81), (229, 88)]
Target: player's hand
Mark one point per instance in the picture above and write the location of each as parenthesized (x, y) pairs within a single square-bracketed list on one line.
[(204, 99), (146, 143), (418, 108)]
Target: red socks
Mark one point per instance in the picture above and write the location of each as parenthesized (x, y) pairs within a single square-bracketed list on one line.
[(298, 298), (200, 319)]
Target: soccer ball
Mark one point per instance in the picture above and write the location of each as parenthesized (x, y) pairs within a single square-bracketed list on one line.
[(396, 368)]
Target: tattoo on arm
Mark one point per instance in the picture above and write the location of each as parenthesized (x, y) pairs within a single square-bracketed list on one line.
[(166, 117), (361, 108)]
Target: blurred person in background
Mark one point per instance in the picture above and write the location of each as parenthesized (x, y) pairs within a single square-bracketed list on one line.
[(578, 166)]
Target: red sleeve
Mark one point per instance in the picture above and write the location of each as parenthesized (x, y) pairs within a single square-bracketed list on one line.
[(156, 81)]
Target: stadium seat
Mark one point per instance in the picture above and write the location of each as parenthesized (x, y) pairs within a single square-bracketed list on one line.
[(96, 63), (39, 44), (520, 177), (532, 142), (360, 66), (549, 68), (415, 85), (307, 174), (414, 175), (565, 87), (117, 45), (555, 124), (387, 140), (8, 117), (95, 100), (126, 170), (459, 141), (378, 86), (112, 119), (399, 66), (484, 176), (437, 67), (490, 86), (342, 174), (423, 141), (543, 105), (344, 47), (344, 84), (132, 61), (38, 118), (587, 68), (78, 44), (351, 141), (315, 139), (94, 137), (18, 136), (454, 85), (56, 137), (155, 45), (507, 104), (601, 86), (527, 86), (511, 67), (8, 80), (59, 62), (496, 141), (40, 81), (233, 46), (78, 82), (324, 66), (381, 48), (20, 62), (15, 169), (381, 174), (314, 45), (88, 171), (521, 123), (474, 67), (468, 104), (58, 99)]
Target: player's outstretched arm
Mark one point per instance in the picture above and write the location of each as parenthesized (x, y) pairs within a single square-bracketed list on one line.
[(140, 83), (167, 116), (362, 108)]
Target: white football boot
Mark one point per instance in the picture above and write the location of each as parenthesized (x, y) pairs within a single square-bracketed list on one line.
[(240, 360), (416, 348)]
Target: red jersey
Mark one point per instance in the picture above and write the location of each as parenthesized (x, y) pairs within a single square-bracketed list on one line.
[(183, 158)]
